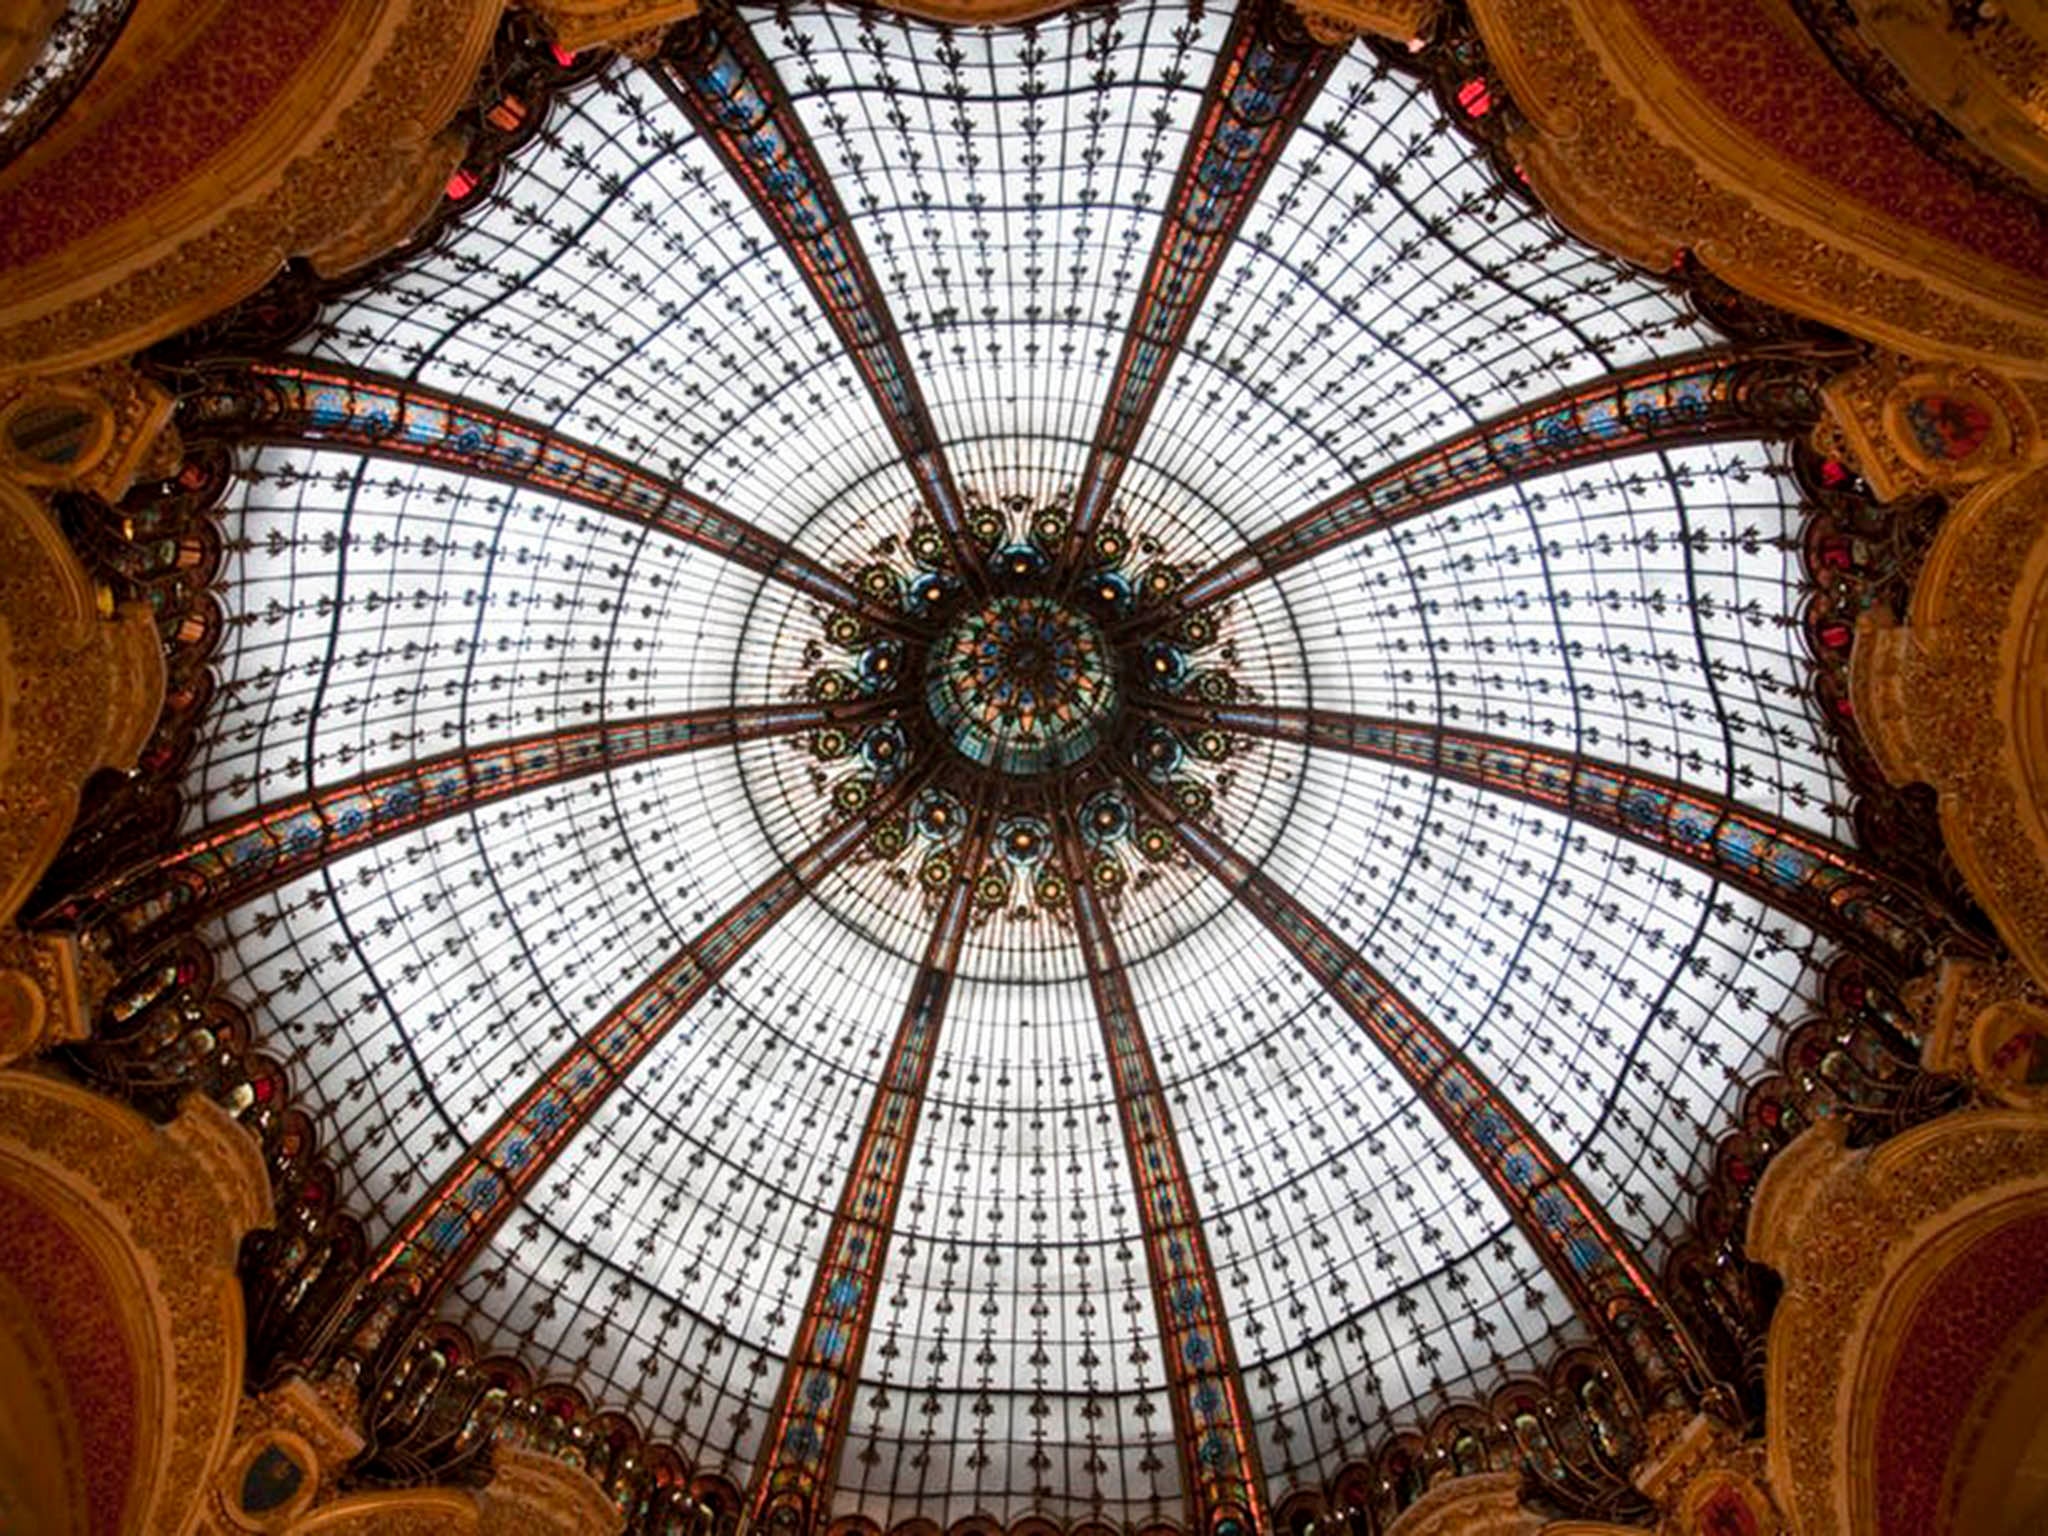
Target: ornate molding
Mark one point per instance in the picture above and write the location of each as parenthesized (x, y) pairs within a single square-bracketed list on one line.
[(1859, 1239), (94, 430), (1484, 1504), (414, 1512), (1624, 148), (1914, 427), (1339, 21), (534, 1494), (1708, 1481), (81, 684), (579, 24), (1988, 78), (1954, 699), (325, 163), (1988, 1022), (162, 1214)]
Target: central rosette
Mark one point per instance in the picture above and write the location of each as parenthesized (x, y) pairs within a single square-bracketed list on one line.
[(1023, 685)]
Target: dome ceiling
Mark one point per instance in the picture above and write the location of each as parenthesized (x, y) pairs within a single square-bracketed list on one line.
[(843, 772)]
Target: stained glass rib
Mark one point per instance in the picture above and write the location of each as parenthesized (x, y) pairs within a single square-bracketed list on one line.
[(1641, 612), (691, 1215), (617, 286), (383, 613), (1387, 293), (1018, 1236)]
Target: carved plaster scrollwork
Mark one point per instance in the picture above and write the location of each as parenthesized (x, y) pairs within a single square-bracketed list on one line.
[(1987, 1022), (81, 684), (1624, 149), (579, 24), (94, 430), (1990, 81), (1707, 1479), (1338, 21), (292, 1444), (534, 1494), (1862, 1240), (140, 1227), (333, 163), (1953, 698), (1487, 1504), (1914, 427)]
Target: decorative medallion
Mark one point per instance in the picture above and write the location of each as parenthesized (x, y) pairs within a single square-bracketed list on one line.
[(1023, 685), (1045, 690)]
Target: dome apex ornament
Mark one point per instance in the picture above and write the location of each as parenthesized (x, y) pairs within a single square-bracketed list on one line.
[(1060, 688), (1023, 685)]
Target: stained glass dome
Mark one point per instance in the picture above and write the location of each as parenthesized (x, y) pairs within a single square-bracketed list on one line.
[(1017, 770)]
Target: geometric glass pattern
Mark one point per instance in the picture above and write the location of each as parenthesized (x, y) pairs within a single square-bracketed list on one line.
[(991, 1117)]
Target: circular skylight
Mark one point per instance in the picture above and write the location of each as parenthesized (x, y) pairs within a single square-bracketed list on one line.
[(969, 728)]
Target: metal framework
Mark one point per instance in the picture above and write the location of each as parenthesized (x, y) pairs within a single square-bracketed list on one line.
[(1265, 79), (1219, 1452), (391, 418), (715, 72), (1811, 878), (792, 1483), (227, 864), (449, 1225), (1590, 1259), (1695, 399)]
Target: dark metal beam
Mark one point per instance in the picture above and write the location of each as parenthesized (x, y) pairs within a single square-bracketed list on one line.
[(1268, 73), (1812, 878), (799, 1459), (389, 418), (1592, 1262), (451, 1223), (714, 71), (1219, 1452), (231, 862), (1703, 397)]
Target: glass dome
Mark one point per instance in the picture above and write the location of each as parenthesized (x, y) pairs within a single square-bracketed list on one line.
[(943, 753)]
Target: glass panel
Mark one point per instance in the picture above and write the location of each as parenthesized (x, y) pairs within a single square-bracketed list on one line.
[(1006, 183)]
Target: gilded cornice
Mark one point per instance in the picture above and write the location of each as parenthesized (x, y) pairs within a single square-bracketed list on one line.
[(1954, 699), (1849, 1231), (1625, 150), (163, 1213), (338, 147)]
